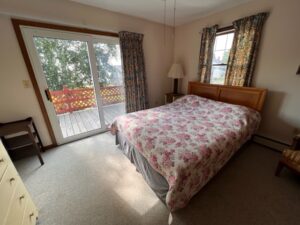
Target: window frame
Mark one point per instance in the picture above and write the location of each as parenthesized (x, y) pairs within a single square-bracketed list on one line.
[(17, 24), (222, 31)]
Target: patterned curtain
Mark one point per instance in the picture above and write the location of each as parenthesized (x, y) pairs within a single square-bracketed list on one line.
[(244, 50), (134, 71), (206, 53)]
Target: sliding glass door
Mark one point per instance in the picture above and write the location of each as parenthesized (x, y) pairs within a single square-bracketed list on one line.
[(80, 79)]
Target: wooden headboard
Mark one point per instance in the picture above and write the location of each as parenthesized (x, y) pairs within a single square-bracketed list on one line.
[(247, 96)]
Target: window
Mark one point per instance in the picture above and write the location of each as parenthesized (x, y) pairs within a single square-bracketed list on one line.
[(221, 52)]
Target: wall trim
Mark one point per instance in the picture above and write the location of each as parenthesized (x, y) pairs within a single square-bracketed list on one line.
[(47, 147), (270, 142)]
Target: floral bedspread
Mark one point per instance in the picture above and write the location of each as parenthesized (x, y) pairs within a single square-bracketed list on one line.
[(188, 141)]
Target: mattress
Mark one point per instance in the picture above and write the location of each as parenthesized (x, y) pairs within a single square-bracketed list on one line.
[(186, 142)]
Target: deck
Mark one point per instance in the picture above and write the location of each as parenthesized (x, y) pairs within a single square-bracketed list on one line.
[(86, 120)]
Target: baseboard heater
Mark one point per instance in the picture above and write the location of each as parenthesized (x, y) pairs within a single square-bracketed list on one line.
[(270, 142)]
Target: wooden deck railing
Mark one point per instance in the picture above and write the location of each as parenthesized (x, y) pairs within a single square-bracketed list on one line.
[(69, 100)]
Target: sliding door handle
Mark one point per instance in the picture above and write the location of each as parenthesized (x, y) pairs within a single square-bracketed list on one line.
[(48, 95)]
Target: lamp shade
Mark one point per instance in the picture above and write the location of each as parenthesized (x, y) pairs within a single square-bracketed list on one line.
[(176, 71)]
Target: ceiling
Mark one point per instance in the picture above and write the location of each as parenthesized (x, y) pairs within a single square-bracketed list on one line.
[(153, 10)]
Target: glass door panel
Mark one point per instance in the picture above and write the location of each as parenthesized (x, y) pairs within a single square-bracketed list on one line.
[(110, 75), (66, 67)]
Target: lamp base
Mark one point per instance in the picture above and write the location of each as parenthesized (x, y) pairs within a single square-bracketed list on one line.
[(175, 87)]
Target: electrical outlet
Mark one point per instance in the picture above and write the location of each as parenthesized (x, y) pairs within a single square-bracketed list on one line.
[(26, 83)]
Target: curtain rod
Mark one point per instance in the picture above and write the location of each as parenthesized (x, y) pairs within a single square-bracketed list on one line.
[(223, 29)]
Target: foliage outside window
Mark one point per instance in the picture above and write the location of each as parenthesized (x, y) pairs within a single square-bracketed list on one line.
[(66, 63), (109, 64), (221, 52)]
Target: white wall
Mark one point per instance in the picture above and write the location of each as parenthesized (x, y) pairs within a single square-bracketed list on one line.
[(17, 102), (277, 63)]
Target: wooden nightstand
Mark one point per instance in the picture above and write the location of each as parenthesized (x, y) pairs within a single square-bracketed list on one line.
[(170, 97)]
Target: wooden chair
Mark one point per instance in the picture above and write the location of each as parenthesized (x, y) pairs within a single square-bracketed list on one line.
[(290, 157), (21, 134)]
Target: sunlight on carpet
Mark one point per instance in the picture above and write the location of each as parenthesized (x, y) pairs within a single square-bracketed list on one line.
[(130, 186)]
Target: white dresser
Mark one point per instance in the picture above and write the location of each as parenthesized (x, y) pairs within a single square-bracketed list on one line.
[(16, 206)]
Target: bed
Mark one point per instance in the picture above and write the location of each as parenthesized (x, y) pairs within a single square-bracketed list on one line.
[(180, 146)]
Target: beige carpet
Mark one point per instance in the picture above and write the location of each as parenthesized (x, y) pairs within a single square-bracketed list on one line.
[(89, 182)]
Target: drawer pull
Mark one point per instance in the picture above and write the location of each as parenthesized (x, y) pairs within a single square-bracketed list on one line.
[(22, 197), (31, 215), (1, 160), (12, 179)]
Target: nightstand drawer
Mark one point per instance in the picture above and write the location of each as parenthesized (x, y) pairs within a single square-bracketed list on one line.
[(17, 206), (8, 186)]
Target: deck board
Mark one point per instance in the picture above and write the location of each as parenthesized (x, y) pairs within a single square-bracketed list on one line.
[(95, 116), (74, 123), (80, 122), (88, 119), (69, 127), (62, 124)]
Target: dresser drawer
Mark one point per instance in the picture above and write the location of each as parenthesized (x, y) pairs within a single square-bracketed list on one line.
[(30, 215), (3, 161), (17, 206), (8, 186)]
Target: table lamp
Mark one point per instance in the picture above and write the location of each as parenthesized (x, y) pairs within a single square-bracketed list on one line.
[(176, 73)]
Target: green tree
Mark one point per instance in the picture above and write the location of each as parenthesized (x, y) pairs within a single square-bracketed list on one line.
[(66, 63), (109, 73)]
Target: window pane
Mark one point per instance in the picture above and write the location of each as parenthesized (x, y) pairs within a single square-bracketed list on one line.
[(66, 67), (108, 60), (220, 42), (221, 57), (229, 40), (109, 64), (222, 48), (217, 57), (221, 52), (223, 41), (218, 74)]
